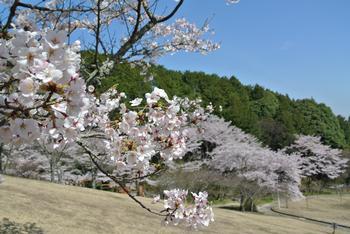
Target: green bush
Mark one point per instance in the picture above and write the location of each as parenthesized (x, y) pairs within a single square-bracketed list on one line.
[(11, 227)]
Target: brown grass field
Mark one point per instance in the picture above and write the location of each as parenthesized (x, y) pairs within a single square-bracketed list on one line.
[(66, 209), (331, 208)]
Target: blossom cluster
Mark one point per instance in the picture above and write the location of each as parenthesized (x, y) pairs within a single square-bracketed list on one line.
[(197, 215), (317, 159), (182, 35), (143, 128), (162, 38), (41, 90)]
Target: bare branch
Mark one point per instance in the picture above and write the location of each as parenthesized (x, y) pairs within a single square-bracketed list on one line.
[(41, 8), (138, 34), (11, 16)]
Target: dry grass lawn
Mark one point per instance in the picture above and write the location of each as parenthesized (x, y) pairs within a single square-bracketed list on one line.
[(66, 209), (330, 208)]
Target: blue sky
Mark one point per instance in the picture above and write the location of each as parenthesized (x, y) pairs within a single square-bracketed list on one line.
[(299, 47)]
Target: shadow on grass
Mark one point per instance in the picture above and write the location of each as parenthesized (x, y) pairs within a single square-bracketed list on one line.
[(236, 208), (229, 207)]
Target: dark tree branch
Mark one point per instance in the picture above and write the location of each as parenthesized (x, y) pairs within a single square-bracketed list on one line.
[(162, 19), (41, 8), (138, 34), (138, 20), (97, 32), (93, 157), (10, 17)]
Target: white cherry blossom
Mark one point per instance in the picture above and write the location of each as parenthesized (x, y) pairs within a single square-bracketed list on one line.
[(136, 102)]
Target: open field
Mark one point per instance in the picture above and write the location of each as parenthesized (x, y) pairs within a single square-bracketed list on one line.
[(66, 209), (330, 208)]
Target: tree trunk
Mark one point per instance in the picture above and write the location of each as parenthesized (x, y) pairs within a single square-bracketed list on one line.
[(1, 149), (140, 190), (251, 205), (93, 179), (308, 185), (59, 176), (341, 195), (241, 203), (278, 200), (247, 203), (93, 184), (52, 173)]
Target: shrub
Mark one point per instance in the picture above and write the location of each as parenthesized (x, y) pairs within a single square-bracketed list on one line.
[(11, 227)]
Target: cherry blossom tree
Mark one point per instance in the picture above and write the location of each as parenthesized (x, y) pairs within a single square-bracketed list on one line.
[(137, 31), (289, 176), (47, 108), (58, 159), (43, 95), (260, 169), (318, 161)]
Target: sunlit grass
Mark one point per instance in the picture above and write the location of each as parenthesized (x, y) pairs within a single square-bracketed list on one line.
[(332, 208), (66, 209)]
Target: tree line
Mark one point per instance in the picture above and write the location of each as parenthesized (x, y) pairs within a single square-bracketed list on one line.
[(272, 117)]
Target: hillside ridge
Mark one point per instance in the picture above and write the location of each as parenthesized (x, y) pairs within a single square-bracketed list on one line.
[(272, 117)]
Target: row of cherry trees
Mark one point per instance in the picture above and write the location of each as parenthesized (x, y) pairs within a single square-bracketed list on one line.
[(255, 169), (261, 170)]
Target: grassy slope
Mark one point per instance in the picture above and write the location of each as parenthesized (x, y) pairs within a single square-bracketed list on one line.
[(330, 208), (66, 209)]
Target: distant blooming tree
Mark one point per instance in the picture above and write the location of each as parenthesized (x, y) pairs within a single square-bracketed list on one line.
[(68, 165), (58, 160), (44, 97), (29, 163), (318, 161), (288, 176), (259, 168)]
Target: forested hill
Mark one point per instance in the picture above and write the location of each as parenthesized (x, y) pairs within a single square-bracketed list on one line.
[(274, 118)]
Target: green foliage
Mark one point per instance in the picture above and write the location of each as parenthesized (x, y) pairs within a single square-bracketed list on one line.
[(265, 200), (11, 227), (345, 177), (275, 134), (264, 103), (345, 125), (272, 117), (318, 119)]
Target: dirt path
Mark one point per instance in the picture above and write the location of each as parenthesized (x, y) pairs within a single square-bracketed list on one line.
[(267, 209)]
